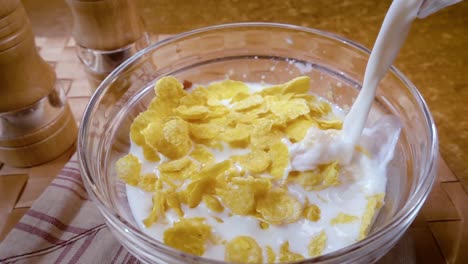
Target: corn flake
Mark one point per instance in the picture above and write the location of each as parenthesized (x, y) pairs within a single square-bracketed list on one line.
[(150, 153), (279, 207), (243, 249), (317, 244), (286, 255), (374, 203), (247, 103), (311, 213), (202, 155), (175, 165), (204, 131), (228, 88), (147, 182), (239, 199), (213, 203), (176, 141), (140, 123), (299, 85), (289, 110), (192, 112), (330, 124), (158, 210), (297, 129), (188, 235), (255, 161), (128, 169), (152, 133), (240, 133), (343, 218), (271, 256), (279, 155)]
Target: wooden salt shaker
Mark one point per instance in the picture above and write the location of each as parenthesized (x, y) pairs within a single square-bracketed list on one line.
[(36, 124), (107, 32)]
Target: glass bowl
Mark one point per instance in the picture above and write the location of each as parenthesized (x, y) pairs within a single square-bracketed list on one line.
[(255, 52)]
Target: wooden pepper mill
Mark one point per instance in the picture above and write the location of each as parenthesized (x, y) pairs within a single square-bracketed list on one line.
[(36, 124), (107, 32)]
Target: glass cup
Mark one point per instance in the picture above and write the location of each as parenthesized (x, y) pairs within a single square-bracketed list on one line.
[(255, 52)]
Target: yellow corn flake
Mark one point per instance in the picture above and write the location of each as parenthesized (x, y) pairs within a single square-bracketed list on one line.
[(197, 97), (289, 110), (317, 244), (158, 210), (331, 173), (279, 207), (248, 102), (326, 175), (258, 186), (330, 124), (150, 153), (128, 169), (176, 141), (343, 218), (264, 226), (228, 88), (217, 111), (272, 90), (147, 182), (297, 129), (319, 109), (309, 180), (361, 149), (308, 97), (213, 203), (255, 161), (192, 112), (169, 88), (239, 196), (240, 133), (153, 133), (202, 155), (239, 97), (374, 203), (271, 256), (168, 91), (239, 199), (175, 165), (195, 191), (204, 182), (214, 170), (189, 235), (279, 155), (140, 123), (312, 213), (243, 249), (299, 85), (235, 118), (204, 131), (259, 142), (173, 202), (286, 255)]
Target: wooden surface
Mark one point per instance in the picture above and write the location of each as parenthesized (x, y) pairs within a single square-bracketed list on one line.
[(438, 235)]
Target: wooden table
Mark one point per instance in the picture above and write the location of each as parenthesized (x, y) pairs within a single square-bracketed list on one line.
[(439, 234)]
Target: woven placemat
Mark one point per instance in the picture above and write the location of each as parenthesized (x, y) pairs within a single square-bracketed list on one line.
[(438, 235)]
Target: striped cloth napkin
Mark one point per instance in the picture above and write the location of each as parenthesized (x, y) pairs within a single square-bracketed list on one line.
[(63, 226)]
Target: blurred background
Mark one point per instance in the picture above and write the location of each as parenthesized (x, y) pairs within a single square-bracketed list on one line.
[(434, 57)]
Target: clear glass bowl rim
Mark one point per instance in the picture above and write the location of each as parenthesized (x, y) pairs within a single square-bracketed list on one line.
[(413, 204)]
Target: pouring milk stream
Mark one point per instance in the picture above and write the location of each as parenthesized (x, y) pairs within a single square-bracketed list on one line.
[(392, 34)]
